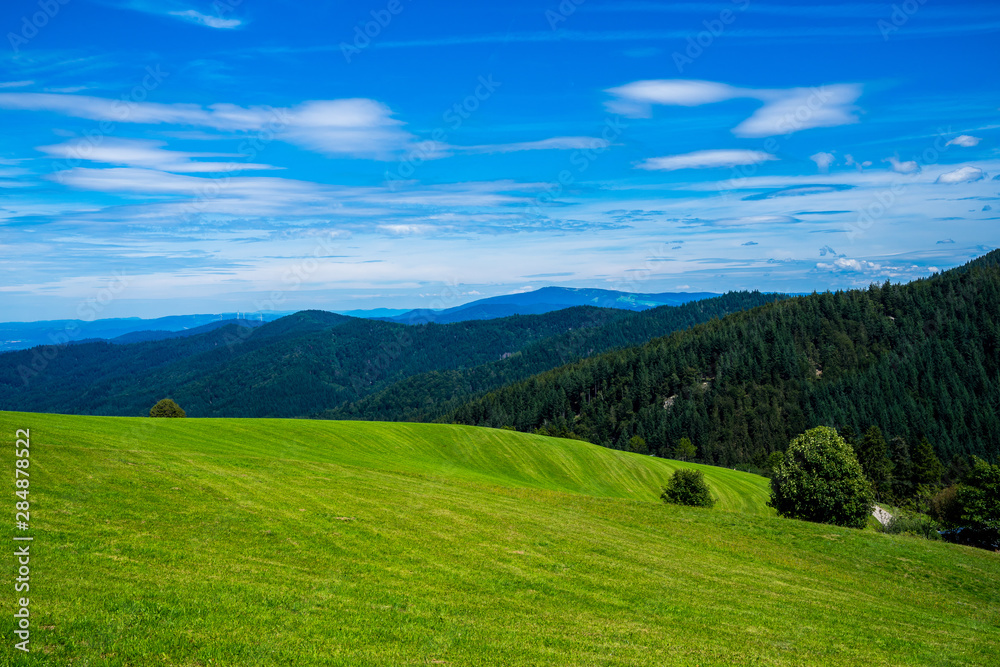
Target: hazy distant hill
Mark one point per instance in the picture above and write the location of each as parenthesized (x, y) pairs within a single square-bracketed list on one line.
[(23, 335), (545, 300)]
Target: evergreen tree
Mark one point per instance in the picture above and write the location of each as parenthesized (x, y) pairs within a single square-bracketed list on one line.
[(685, 450), (873, 455), (927, 468), (902, 478)]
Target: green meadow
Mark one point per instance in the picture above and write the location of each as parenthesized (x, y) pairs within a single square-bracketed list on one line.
[(288, 542)]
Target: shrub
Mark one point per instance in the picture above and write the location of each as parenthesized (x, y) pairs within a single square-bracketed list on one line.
[(166, 408), (688, 487), (945, 508), (920, 525), (820, 480)]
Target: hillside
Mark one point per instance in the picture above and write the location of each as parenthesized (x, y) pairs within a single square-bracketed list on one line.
[(312, 361), (259, 542), (435, 394), (917, 360), (545, 300)]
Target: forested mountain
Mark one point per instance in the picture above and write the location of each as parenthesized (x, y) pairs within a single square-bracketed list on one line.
[(316, 362), (917, 360), (429, 396), (295, 366)]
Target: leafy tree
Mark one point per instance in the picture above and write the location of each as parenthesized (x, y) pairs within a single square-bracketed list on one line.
[(774, 461), (687, 486), (637, 444), (167, 408), (685, 450), (821, 480), (979, 497), (873, 455)]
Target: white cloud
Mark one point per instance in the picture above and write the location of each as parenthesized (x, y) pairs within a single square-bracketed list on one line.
[(147, 155), (15, 84), (706, 160), (784, 111), (908, 167), (823, 161), (962, 175), (192, 16), (964, 140), (858, 265), (358, 127)]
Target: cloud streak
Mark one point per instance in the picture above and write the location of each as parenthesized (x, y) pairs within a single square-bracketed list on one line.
[(783, 112)]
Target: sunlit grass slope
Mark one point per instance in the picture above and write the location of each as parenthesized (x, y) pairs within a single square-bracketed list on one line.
[(260, 542)]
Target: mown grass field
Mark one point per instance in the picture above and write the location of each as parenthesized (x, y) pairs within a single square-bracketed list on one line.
[(282, 542)]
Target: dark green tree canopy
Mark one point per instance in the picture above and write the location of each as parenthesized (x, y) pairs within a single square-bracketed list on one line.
[(873, 455), (820, 480), (167, 408)]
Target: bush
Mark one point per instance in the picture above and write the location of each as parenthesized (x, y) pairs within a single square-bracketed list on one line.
[(920, 525), (166, 408), (945, 508), (688, 487), (820, 480)]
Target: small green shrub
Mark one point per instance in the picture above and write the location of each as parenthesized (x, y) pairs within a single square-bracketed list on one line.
[(167, 408), (688, 487), (920, 525)]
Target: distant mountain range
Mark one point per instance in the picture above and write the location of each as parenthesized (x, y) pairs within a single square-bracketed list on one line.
[(312, 362), (24, 335), (544, 300)]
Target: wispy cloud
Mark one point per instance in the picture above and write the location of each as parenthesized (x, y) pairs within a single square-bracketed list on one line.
[(176, 9), (356, 127), (147, 155), (193, 16), (965, 141), (784, 111), (962, 175), (554, 143), (706, 160)]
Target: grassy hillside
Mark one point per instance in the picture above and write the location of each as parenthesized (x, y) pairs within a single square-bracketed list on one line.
[(253, 542)]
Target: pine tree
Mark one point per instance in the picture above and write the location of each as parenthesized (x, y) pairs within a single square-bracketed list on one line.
[(873, 455), (927, 468)]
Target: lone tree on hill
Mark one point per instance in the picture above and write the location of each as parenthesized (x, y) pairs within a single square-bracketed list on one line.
[(821, 480), (167, 408), (688, 487)]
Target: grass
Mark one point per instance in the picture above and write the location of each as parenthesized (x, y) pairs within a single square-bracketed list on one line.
[(283, 542)]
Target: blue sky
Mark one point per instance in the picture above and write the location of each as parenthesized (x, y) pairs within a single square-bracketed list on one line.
[(176, 156)]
